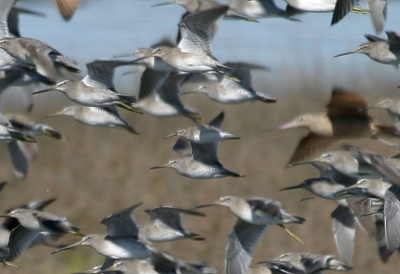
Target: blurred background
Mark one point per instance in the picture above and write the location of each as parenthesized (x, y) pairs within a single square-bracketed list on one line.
[(100, 171)]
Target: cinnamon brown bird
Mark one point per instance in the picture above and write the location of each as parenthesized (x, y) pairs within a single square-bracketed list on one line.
[(346, 118)]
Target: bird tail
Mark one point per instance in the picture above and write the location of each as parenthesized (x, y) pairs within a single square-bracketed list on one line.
[(227, 172), (290, 218), (265, 98)]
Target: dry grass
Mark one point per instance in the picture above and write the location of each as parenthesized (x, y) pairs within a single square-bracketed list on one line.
[(99, 171)]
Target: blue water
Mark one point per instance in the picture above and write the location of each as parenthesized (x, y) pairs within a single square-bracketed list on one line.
[(293, 50)]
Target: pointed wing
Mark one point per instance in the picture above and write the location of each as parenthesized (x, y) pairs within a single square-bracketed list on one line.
[(151, 82), (309, 145), (122, 223), (217, 121), (378, 9), (5, 9), (343, 224), (373, 38), (20, 239), (342, 8), (394, 42), (347, 104), (240, 246), (195, 30), (380, 238), (103, 71)]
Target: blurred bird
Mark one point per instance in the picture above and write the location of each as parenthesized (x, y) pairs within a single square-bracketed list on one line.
[(67, 8), (30, 55), (32, 223), (346, 118), (23, 153)]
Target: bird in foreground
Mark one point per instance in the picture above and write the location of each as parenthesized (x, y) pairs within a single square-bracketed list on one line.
[(121, 240), (346, 118), (97, 88), (166, 225), (254, 216), (37, 56), (32, 224), (159, 95), (390, 194), (199, 161), (377, 10), (380, 50), (205, 133), (95, 116), (227, 91), (309, 262)]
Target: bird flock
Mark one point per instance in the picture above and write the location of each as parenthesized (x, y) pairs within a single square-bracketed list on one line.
[(365, 185)]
